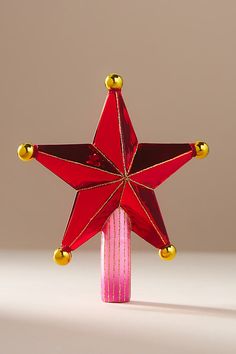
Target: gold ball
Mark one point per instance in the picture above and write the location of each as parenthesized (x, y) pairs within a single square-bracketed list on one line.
[(167, 253), (61, 257), (202, 149), (25, 152), (114, 82)]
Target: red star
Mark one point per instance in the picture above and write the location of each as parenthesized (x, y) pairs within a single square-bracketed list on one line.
[(115, 170)]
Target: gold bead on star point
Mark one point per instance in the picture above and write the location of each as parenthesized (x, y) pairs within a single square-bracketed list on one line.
[(114, 82), (167, 253), (61, 257), (202, 149), (25, 152)]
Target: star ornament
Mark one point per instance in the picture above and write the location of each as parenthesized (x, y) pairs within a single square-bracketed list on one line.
[(114, 171)]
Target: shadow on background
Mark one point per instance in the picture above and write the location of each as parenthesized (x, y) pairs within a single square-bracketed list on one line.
[(182, 309)]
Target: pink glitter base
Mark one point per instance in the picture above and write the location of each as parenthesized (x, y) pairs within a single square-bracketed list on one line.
[(115, 258)]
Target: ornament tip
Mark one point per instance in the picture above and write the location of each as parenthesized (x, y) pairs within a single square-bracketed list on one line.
[(61, 257), (167, 253), (202, 149), (25, 152), (114, 82)]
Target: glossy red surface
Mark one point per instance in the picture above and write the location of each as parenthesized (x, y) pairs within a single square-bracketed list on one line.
[(114, 171), (154, 163), (115, 135), (91, 209)]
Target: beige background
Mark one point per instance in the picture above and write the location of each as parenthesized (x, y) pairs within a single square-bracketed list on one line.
[(178, 63)]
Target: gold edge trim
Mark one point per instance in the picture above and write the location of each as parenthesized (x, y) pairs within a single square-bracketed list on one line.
[(95, 215), (105, 157), (99, 185), (159, 164), (80, 164), (155, 227), (121, 134), (132, 160), (122, 193), (143, 185)]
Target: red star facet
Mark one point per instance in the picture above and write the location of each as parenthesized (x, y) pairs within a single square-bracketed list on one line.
[(114, 171)]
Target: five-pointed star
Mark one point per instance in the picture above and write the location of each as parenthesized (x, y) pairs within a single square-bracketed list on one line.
[(114, 171)]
